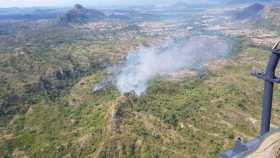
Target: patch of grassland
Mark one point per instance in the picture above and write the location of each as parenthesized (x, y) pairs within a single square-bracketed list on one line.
[(196, 117)]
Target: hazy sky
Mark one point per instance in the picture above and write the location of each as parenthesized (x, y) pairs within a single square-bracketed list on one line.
[(29, 3)]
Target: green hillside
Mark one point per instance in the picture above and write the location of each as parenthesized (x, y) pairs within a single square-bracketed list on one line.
[(191, 118), (48, 108)]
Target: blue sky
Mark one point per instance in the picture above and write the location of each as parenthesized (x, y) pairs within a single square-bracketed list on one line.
[(58, 3)]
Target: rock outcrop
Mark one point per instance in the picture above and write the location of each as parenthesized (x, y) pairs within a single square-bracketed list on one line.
[(80, 14)]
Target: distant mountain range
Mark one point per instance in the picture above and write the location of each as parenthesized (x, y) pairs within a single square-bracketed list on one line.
[(80, 14), (248, 1), (251, 11), (30, 13), (261, 15)]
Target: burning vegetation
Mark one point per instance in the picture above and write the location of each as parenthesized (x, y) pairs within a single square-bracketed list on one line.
[(145, 64)]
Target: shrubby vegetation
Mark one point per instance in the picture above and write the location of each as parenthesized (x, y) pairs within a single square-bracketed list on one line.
[(48, 108), (171, 120)]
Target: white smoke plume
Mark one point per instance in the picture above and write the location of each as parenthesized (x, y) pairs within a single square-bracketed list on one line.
[(144, 64)]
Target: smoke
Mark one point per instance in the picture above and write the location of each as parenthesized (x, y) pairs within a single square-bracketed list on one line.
[(144, 64)]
